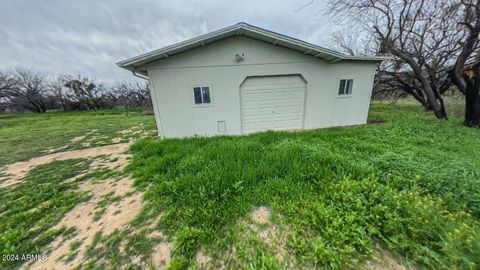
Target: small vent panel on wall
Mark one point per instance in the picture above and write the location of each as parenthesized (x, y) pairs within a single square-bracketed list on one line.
[(222, 128)]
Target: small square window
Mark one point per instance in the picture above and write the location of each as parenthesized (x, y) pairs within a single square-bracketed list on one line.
[(202, 95), (345, 87)]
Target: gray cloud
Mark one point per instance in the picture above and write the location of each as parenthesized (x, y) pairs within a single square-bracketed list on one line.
[(89, 36)]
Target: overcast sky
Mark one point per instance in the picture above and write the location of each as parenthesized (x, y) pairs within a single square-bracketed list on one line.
[(89, 36)]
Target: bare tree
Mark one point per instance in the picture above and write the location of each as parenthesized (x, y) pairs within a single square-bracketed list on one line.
[(354, 41), (141, 93), (26, 90), (421, 37), (29, 90), (7, 91), (467, 78), (58, 90), (124, 96), (84, 92), (133, 94), (7, 83)]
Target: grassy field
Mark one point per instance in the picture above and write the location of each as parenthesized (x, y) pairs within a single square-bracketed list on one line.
[(410, 184), (29, 211), (23, 136), (407, 189)]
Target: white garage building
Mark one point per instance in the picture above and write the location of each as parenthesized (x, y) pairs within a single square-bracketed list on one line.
[(243, 79)]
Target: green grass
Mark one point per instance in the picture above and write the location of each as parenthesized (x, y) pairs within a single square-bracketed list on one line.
[(23, 136), (29, 210), (411, 184), (105, 251), (337, 196)]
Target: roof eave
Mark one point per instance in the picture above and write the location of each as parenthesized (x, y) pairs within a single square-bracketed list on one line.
[(200, 40), (243, 29)]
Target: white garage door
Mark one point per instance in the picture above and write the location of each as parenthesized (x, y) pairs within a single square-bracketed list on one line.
[(272, 103)]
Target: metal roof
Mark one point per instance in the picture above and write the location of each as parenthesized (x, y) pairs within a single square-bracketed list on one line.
[(244, 29)]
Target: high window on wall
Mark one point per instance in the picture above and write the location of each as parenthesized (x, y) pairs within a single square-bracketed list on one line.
[(345, 87), (201, 95)]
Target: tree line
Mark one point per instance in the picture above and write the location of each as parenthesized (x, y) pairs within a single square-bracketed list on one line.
[(433, 47), (25, 90)]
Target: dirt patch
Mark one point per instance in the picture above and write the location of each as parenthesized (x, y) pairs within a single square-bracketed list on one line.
[(82, 137), (78, 138), (154, 224), (273, 235), (17, 171), (261, 215), (100, 189), (385, 261), (156, 235), (112, 162), (75, 140), (51, 150), (82, 217), (276, 240), (136, 131), (86, 144), (162, 255), (258, 227), (202, 260), (132, 130)]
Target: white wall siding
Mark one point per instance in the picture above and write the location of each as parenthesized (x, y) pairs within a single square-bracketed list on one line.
[(173, 80)]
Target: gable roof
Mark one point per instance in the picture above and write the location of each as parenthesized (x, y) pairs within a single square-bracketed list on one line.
[(244, 29)]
